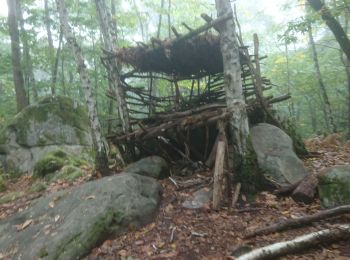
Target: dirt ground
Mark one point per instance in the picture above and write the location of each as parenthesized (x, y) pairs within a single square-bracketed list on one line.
[(179, 233)]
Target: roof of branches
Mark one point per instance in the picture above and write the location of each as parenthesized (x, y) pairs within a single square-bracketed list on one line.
[(198, 55)]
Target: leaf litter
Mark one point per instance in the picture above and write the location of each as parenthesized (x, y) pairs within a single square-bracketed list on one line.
[(179, 233)]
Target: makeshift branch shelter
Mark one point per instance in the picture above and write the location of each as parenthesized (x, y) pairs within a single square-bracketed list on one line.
[(183, 124)]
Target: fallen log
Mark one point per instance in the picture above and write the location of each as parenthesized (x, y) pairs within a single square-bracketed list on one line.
[(306, 190), (340, 232), (301, 221)]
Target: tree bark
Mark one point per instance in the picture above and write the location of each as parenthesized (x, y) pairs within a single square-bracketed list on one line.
[(101, 159), (340, 232), (306, 190), (333, 25), (327, 107), (233, 83), (109, 38), (57, 58), (301, 221), (29, 80), (21, 96), (50, 43), (140, 20), (346, 63), (218, 190), (160, 19)]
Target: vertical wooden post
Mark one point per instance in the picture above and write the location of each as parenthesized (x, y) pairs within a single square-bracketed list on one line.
[(219, 175)]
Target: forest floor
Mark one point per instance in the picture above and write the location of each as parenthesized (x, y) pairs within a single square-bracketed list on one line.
[(179, 233)]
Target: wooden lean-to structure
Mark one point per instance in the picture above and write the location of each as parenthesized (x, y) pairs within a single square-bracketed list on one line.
[(183, 124)]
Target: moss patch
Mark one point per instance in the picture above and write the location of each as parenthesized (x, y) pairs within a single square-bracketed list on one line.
[(68, 173), (59, 165), (49, 164), (2, 184), (37, 187), (11, 196), (250, 175)]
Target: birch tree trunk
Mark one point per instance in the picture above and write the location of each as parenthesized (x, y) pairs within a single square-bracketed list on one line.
[(101, 159), (238, 123), (29, 80), (21, 96), (109, 37), (327, 107)]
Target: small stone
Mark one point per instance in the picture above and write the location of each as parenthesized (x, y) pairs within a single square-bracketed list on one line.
[(139, 242)]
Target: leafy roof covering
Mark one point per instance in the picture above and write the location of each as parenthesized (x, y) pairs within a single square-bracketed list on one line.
[(199, 55)]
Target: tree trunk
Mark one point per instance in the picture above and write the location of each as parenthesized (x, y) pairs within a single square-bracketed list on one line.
[(57, 58), (233, 83), (29, 80), (346, 63), (50, 42), (140, 20), (340, 232), (101, 159), (327, 107), (109, 38), (160, 19), (306, 190), (219, 175), (333, 25), (21, 96)]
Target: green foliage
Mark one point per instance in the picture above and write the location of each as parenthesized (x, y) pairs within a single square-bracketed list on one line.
[(11, 196), (37, 187), (68, 173), (49, 164), (250, 175), (59, 165), (2, 183)]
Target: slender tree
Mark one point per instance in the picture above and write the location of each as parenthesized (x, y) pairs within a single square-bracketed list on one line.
[(332, 24), (29, 80), (160, 18), (238, 122), (109, 39), (21, 96), (50, 43), (100, 145), (326, 104)]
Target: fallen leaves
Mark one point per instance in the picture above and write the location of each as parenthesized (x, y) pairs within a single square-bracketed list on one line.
[(24, 225)]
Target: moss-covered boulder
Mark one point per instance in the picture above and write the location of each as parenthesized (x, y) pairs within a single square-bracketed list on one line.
[(70, 223), (334, 186), (52, 123)]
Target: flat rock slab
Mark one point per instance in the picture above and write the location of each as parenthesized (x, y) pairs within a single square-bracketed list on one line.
[(275, 154), (68, 224), (199, 199), (152, 166), (334, 186)]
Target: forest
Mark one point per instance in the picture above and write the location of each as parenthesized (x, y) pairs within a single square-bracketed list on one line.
[(172, 129)]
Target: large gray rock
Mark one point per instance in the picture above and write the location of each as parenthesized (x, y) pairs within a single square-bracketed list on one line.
[(334, 186), (276, 158), (152, 166), (68, 224), (51, 124)]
